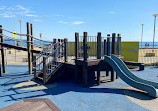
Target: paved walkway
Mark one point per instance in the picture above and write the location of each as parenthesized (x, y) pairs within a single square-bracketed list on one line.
[(111, 96)]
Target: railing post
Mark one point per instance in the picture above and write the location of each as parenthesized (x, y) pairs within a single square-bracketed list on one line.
[(85, 46), (85, 69), (105, 47), (113, 43), (44, 70), (118, 48), (99, 45), (65, 49), (98, 55), (108, 44), (113, 52), (29, 48), (55, 46), (119, 45), (59, 48), (0, 71), (62, 48), (31, 25), (34, 69), (2, 49), (76, 45)]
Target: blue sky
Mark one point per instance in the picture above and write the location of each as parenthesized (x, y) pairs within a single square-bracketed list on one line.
[(62, 18)]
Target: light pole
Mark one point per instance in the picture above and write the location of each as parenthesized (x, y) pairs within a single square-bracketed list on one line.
[(154, 28), (142, 35), (20, 32)]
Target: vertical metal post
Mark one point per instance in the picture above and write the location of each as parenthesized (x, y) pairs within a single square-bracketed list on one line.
[(98, 55), (29, 48), (65, 49), (154, 29), (142, 35), (76, 45), (85, 46), (2, 49)]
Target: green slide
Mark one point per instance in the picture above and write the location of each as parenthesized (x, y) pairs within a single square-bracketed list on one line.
[(124, 73)]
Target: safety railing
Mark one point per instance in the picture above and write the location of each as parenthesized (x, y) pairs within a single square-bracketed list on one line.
[(48, 62), (21, 40), (95, 47)]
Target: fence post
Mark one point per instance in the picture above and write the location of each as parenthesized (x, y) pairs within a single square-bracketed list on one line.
[(108, 50), (59, 48), (85, 46), (76, 45), (65, 48), (105, 47), (108, 44), (113, 43), (99, 45), (29, 48), (44, 70), (31, 25), (34, 65), (98, 55), (2, 49), (62, 48), (113, 52), (119, 44), (0, 71)]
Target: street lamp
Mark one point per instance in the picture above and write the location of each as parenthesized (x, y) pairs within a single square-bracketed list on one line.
[(20, 32), (142, 35), (154, 28)]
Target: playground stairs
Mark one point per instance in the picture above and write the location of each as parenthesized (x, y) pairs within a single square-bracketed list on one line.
[(48, 62)]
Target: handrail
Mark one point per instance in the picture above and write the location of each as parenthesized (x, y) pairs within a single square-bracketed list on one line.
[(54, 58), (25, 35), (49, 55), (41, 53)]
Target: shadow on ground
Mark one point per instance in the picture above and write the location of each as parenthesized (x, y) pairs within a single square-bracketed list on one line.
[(64, 87)]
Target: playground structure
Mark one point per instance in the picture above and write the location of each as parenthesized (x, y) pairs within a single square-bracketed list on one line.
[(49, 60)]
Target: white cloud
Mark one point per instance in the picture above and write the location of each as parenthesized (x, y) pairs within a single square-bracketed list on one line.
[(75, 23), (62, 22), (78, 22), (30, 15), (37, 20), (58, 15), (15, 11), (111, 12), (2, 7)]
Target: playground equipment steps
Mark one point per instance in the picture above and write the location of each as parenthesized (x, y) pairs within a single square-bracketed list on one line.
[(48, 61)]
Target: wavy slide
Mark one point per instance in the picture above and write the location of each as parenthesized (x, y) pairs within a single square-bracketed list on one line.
[(127, 76)]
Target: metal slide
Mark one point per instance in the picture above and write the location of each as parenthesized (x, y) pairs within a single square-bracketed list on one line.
[(124, 73)]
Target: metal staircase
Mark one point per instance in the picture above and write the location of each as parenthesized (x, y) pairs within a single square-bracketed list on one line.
[(49, 61)]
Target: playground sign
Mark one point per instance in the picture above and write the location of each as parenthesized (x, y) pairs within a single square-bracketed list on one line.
[(14, 34)]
